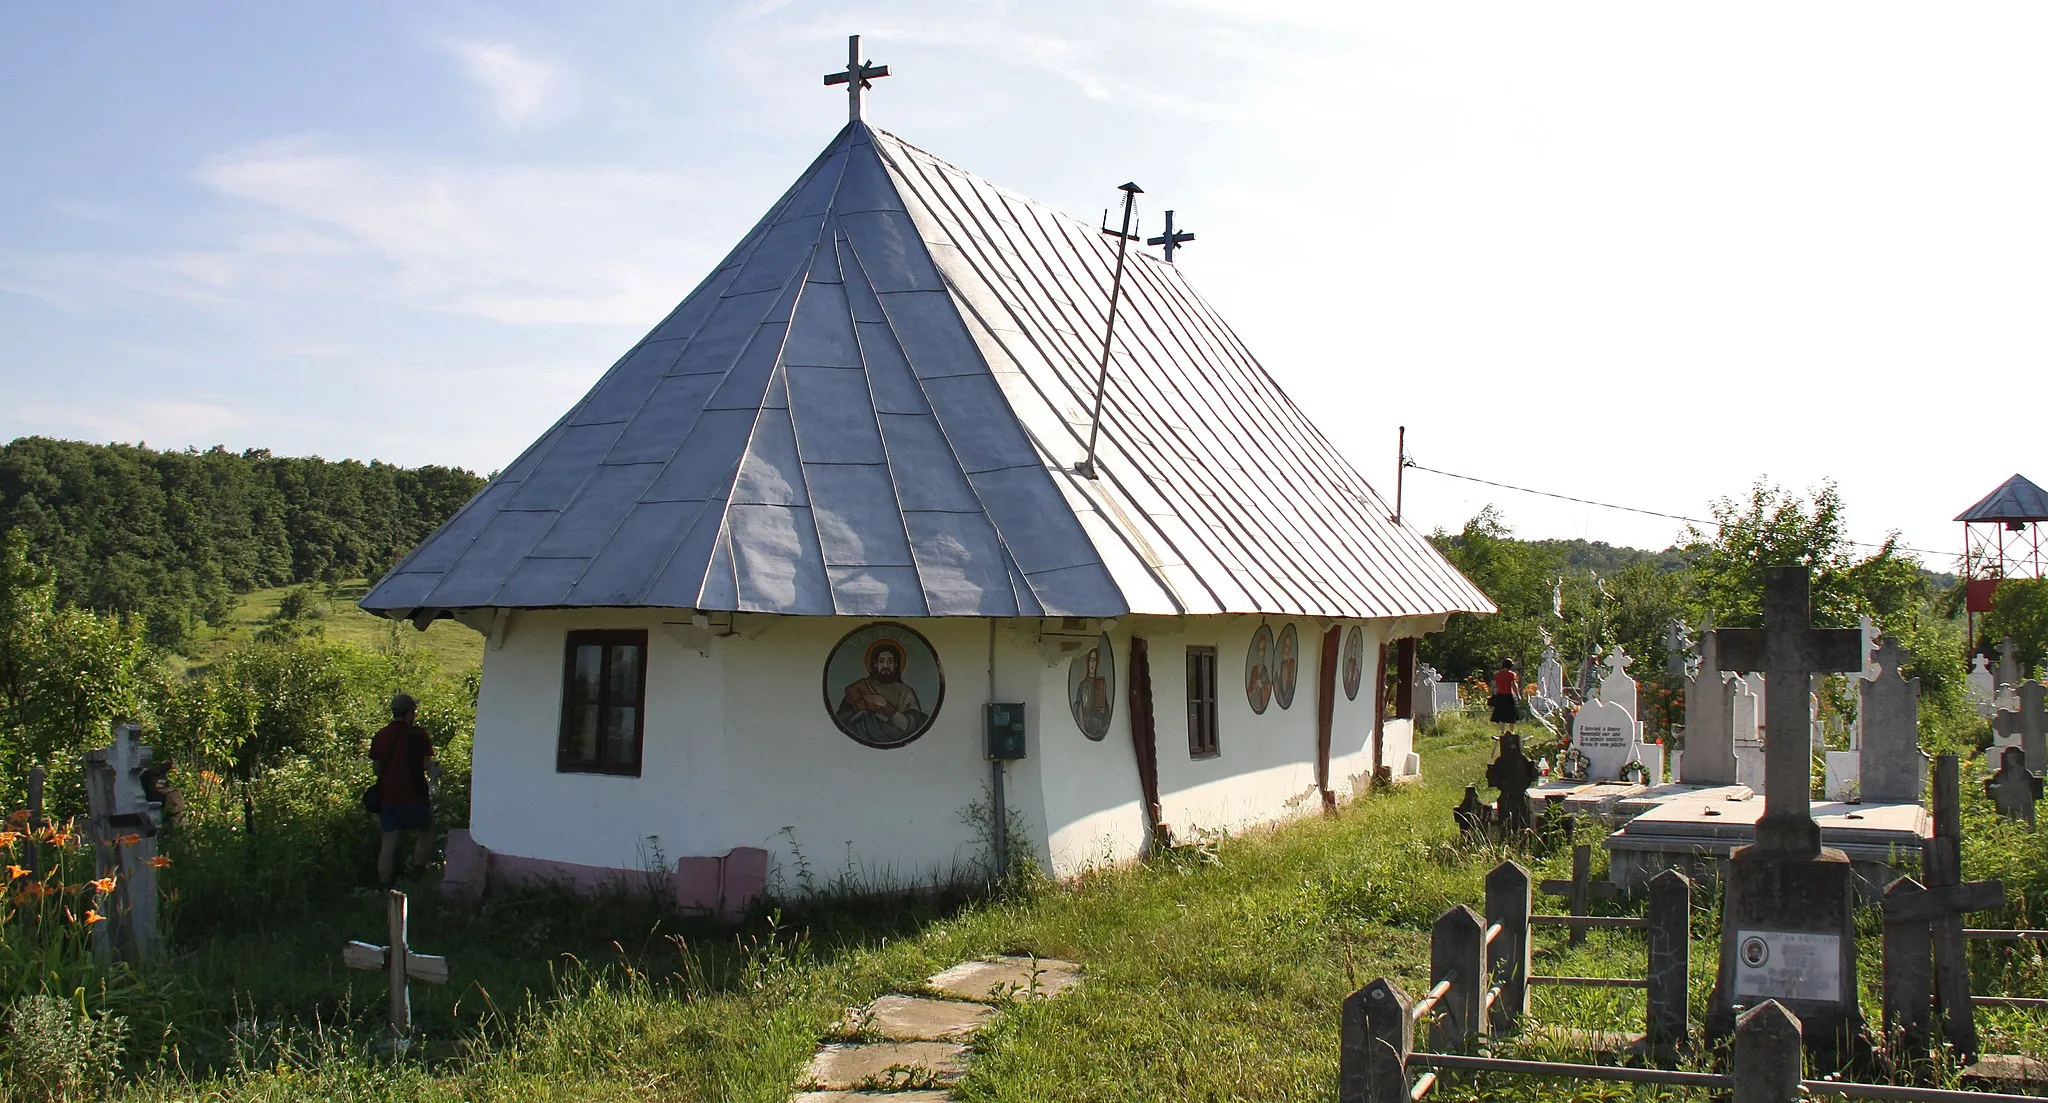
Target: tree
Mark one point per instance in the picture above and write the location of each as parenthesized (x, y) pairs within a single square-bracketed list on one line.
[(2022, 613), (1516, 576), (1775, 527)]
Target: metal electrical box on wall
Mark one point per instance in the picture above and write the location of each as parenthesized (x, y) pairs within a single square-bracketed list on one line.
[(1004, 730)]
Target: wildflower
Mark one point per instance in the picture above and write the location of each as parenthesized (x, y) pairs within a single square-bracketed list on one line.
[(7, 838), (92, 916), (103, 886), (16, 871), (58, 838), (158, 861), (130, 839), (209, 777)]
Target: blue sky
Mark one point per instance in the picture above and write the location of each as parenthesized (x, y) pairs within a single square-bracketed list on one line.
[(1637, 253)]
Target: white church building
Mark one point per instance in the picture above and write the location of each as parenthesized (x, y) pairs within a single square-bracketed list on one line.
[(749, 602)]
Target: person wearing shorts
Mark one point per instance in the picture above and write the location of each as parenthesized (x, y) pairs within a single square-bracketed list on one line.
[(404, 756), (1506, 701)]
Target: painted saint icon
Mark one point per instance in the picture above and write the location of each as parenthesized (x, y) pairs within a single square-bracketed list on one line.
[(883, 685), (1258, 670), (1286, 664), (1354, 661), (1091, 688)]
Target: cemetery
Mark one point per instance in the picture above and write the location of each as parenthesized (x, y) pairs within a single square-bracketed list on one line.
[(812, 731)]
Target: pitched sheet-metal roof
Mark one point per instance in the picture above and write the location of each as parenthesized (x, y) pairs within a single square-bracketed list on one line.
[(873, 406), (2016, 499)]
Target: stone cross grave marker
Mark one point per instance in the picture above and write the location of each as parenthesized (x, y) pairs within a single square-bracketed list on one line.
[(1745, 722), (1512, 773), (1981, 688), (1580, 892), (123, 827), (1709, 728), (1916, 916), (1605, 733), (399, 963), (1550, 676), (1424, 695), (1893, 767), (2014, 788), (2031, 723), (1677, 650), (1788, 921), (1616, 687), (2009, 673)]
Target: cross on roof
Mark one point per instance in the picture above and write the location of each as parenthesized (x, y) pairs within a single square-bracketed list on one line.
[(856, 77), (1170, 238), (1789, 653)]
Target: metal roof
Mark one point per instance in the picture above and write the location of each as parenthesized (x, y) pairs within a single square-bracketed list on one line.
[(2016, 499), (872, 408)]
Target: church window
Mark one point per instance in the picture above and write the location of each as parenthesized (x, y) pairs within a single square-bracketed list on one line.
[(604, 697), (1202, 702)]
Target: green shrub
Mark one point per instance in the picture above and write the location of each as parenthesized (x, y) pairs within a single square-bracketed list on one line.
[(58, 1051)]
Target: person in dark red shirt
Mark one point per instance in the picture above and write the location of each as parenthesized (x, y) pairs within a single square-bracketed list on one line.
[(404, 756), (1506, 700)]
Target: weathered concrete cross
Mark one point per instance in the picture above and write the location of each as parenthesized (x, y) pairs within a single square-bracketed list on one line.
[(2014, 788), (399, 962), (1789, 653), (856, 77), (1170, 238), (1581, 890)]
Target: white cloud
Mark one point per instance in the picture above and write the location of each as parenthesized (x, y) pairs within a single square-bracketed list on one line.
[(521, 88), (173, 422)]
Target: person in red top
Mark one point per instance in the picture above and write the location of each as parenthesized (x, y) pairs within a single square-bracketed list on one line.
[(1506, 700), (404, 756)]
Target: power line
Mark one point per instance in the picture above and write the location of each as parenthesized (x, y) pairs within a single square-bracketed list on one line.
[(1629, 509)]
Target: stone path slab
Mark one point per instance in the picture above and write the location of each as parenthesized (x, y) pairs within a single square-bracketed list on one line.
[(916, 1019), (843, 1066), (1012, 976)]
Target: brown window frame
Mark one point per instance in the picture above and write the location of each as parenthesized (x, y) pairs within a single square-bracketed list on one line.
[(1202, 739), (609, 639), (1404, 679)]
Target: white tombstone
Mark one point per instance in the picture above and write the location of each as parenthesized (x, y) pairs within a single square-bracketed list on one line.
[(1606, 734), (1816, 732), (1446, 696), (1550, 676), (1981, 687), (1745, 710), (1426, 679), (1616, 687), (1844, 775)]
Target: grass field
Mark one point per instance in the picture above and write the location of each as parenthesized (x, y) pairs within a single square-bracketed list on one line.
[(335, 616)]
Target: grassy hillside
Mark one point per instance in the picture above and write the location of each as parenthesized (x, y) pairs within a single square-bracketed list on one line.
[(331, 612)]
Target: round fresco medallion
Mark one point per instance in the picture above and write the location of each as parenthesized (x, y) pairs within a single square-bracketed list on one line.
[(1354, 661), (883, 685), (1286, 664), (1091, 688), (1258, 669)]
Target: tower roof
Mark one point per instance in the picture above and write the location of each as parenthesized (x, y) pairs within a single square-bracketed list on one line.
[(2016, 499), (873, 407)]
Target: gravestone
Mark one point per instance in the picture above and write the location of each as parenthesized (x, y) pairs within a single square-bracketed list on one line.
[(1512, 773), (2014, 788), (1616, 687), (1550, 676), (1424, 696), (2032, 723), (1788, 927), (399, 963), (2009, 672), (1980, 686), (1446, 697), (123, 826), (1894, 768), (1678, 651), (1605, 733), (1745, 722), (1709, 730)]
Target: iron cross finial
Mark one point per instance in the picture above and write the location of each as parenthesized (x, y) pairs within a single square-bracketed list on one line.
[(1170, 239), (856, 77)]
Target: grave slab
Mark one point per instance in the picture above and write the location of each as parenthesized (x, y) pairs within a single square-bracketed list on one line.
[(916, 1019), (843, 1066), (1009, 976)]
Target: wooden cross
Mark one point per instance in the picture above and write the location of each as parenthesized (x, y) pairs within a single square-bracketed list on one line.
[(1581, 890), (1915, 915), (1171, 239), (856, 77), (1788, 652), (399, 962)]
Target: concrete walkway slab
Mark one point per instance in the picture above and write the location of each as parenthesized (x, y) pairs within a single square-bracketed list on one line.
[(883, 1064), (916, 1019), (1010, 976)]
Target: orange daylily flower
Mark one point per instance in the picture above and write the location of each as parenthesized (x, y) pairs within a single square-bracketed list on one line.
[(16, 871), (58, 838), (103, 885), (158, 861), (130, 839), (7, 838)]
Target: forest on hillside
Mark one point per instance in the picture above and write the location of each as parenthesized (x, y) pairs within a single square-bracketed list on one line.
[(171, 536)]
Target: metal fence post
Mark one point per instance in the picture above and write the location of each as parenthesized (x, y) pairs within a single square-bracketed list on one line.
[(1457, 945), (1508, 896), (1670, 934), (1373, 1054), (1768, 1058)]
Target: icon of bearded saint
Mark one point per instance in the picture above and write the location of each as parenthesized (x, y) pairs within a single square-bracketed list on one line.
[(880, 708)]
